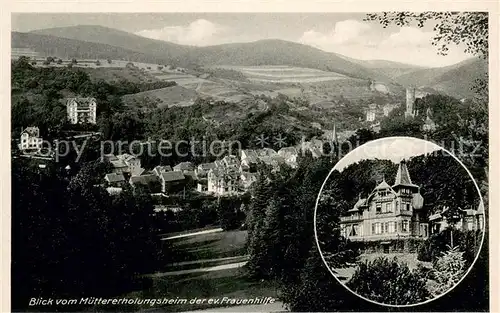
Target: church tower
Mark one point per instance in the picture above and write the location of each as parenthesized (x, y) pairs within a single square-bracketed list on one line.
[(410, 102)]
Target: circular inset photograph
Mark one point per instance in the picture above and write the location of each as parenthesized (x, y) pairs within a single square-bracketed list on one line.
[(399, 221)]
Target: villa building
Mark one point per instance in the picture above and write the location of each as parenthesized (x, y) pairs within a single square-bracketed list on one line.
[(81, 110), (30, 139), (466, 220), (389, 212)]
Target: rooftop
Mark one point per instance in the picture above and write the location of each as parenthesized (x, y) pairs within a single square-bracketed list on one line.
[(114, 177), (143, 179), (32, 131), (81, 102), (184, 166), (172, 176)]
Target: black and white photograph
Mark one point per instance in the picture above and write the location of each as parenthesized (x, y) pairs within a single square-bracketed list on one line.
[(399, 221), (210, 162)]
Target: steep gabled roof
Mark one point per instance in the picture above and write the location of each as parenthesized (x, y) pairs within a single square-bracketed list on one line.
[(383, 185), (32, 131), (162, 168), (184, 166), (402, 176), (114, 177)]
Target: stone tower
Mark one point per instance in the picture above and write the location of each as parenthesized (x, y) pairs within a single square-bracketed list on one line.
[(410, 102)]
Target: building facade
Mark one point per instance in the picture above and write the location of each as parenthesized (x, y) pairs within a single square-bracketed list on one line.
[(410, 102), (30, 139), (389, 212), (82, 110)]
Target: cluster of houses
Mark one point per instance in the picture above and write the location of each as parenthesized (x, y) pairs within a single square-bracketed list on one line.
[(376, 112), (79, 110), (230, 175)]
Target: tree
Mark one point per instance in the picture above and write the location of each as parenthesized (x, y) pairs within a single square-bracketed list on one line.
[(59, 61), (448, 270), (109, 61), (468, 28), (74, 61)]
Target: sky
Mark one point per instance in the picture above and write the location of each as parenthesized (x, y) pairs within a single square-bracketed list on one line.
[(392, 148), (342, 33)]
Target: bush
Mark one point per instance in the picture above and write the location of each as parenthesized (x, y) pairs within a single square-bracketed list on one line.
[(449, 268), (389, 282), (59, 61), (109, 61), (468, 241), (74, 61), (97, 62)]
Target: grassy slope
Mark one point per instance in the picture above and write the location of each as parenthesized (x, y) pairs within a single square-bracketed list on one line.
[(217, 284), (169, 96), (455, 80), (263, 52)]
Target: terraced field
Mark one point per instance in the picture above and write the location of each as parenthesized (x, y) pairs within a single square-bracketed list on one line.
[(285, 74)]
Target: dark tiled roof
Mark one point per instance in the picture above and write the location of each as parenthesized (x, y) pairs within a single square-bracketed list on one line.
[(114, 177), (172, 176), (143, 179)]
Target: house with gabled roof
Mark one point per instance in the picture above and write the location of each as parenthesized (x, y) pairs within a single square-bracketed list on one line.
[(184, 166), (289, 155), (171, 180), (389, 212), (158, 170), (222, 181), (114, 179), (81, 110), (203, 169), (149, 180), (30, 139)]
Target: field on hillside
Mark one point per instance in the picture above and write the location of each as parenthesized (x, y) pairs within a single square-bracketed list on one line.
[(284, 74), (193, 274), (163, 97)]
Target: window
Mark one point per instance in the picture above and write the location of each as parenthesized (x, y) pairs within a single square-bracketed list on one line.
[(388, 207), (386, 228), (405, 226), (392, 227), (379, 207), (378, 228), (373, 228), (355, 230), (469, 225)]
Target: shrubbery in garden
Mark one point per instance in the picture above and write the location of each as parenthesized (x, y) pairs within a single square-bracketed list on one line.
[(389, 282)]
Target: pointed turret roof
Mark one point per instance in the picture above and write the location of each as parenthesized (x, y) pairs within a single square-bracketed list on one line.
[(402, 176), (334, 133)]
